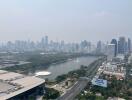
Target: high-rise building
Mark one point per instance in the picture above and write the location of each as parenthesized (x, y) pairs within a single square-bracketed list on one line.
[(110, 51), (114, 41), (46, 40), (42, 44), (129, 45), (99, 47), (122, 45)]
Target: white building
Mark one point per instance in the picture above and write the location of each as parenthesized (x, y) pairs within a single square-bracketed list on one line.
[(114, 70)]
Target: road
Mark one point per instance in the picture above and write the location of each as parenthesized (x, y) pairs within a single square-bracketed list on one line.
[(81, 83), (75, 90)]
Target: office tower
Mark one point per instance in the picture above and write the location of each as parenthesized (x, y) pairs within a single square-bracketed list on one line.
[(122, 45), (46, 40), (89, 46), (114, 41), (99, 46), (129, 45), (110, 51), (42, 43)]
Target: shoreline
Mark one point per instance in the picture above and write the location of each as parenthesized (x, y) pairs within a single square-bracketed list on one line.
[(96, 58), (32, 70)]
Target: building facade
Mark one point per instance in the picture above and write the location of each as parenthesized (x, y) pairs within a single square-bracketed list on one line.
[(122, 45), (114, 41), (110, 51)]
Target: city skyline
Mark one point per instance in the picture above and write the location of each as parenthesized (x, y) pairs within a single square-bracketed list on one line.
[(71, 21), (65, 50), (63, 40), (121, 45)]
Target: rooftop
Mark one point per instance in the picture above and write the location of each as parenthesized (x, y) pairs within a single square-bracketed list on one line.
[(12, 84)]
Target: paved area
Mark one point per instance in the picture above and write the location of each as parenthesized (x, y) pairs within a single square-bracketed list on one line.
[(75, 90), (81, 83)]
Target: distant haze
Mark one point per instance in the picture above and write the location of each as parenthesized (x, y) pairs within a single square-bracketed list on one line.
[(69, 20)]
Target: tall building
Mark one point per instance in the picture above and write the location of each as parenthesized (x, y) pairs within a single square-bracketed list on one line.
[(84, 46), (122, 45), (42, 42), (129, 45), (99, 47), (46, 40), (114, 41), (110, 51)]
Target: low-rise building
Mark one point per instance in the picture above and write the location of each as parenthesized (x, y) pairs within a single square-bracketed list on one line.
[(14, 86), (113, 69)]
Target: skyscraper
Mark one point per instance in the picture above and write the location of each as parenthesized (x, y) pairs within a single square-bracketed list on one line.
[(99, 47), (46, 40), (129, 45), (110, 52), (122, 45), (114, 41)]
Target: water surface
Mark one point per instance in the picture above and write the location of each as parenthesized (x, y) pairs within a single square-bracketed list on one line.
[(65, 67)]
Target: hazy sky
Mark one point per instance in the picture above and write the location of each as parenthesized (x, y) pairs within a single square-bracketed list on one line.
[(70, 20)]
